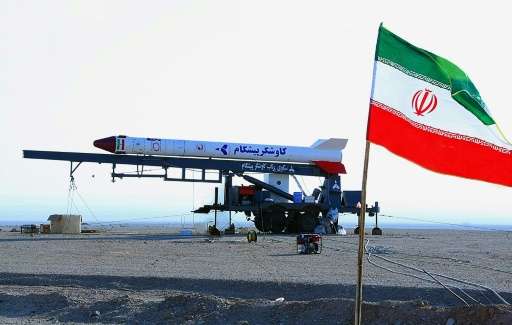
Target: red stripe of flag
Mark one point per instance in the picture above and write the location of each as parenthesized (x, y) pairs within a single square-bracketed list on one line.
[(436, 152)]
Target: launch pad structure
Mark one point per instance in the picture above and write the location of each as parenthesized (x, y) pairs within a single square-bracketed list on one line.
[(272, 209)]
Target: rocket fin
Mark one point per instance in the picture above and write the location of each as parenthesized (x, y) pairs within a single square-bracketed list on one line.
[(329, 144), (331, 167)]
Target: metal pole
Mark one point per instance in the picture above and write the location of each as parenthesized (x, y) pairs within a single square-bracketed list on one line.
[(216, 203), (362, 214), (360, 253)]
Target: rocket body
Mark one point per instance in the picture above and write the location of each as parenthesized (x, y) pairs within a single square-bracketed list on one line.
[(323, 150)]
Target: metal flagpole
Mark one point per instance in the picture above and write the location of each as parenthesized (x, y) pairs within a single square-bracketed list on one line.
[(360, 253)]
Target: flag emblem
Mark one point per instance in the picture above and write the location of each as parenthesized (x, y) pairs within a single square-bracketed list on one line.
[(424, 101)]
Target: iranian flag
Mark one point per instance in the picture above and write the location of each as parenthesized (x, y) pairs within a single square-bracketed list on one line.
[(426, 109)]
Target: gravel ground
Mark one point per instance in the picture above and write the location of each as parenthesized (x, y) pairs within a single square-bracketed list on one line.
[(152, 276)]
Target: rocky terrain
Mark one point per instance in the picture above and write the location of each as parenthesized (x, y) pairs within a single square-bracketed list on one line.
[(144, 276)]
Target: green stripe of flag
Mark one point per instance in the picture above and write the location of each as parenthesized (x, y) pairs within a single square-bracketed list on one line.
[(427, 66)]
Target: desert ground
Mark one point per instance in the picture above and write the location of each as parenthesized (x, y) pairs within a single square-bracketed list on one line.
[(151, 275)]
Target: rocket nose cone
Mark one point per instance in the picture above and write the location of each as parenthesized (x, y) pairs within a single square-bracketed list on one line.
[(107, 144)]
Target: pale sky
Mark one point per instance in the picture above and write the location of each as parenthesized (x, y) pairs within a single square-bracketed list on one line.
[(277, 72)]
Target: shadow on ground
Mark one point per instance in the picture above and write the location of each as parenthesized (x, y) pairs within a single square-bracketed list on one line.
[(245, 289), (30, 305)]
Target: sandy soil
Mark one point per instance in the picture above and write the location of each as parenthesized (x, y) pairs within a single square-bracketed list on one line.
[(149, 276)]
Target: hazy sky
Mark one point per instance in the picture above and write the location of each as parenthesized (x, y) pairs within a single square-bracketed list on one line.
[(278, 72)]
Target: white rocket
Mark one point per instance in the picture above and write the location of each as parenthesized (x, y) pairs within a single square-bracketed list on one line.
[(327, 154)]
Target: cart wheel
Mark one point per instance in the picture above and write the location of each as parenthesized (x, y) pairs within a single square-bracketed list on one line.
[(252, 236), (377, 231)]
